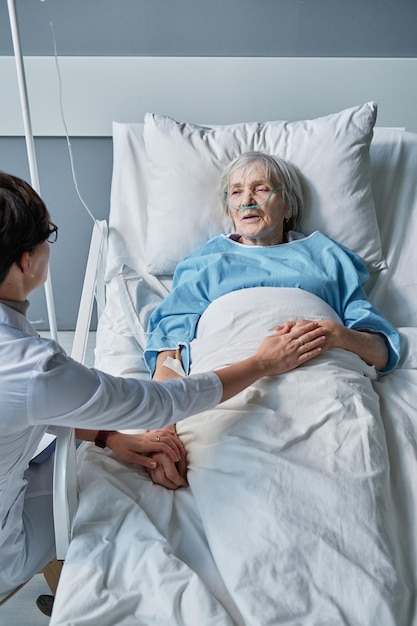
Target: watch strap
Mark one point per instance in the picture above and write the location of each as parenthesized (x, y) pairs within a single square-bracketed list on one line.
[(101, 439)]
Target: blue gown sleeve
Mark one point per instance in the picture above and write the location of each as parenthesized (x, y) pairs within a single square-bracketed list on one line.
[(357, 311), (173, 323)]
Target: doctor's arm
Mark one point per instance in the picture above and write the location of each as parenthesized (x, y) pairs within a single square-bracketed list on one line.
[(139, 448), (52, 400)]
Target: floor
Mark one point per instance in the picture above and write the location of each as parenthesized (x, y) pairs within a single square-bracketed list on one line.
[(21, 609)]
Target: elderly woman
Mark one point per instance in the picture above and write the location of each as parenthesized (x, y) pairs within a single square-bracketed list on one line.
[(41, 387), (262, 195), (297, 462)]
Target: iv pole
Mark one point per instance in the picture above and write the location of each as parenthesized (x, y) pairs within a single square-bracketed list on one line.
[(30, 147)]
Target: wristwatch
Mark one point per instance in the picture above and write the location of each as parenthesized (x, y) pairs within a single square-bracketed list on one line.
[(101, 439)]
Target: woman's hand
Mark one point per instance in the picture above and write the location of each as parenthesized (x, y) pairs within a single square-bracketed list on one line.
[(370, 347), (295, 343), (292, 345), (143, 449), (167, 473)]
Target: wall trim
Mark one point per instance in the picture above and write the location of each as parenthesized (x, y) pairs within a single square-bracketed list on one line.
[(212, 90)]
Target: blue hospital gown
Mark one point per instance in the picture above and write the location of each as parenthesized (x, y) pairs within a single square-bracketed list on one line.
[(314, 263)]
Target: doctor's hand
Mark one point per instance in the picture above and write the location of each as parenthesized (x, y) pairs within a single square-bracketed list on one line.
[(141, 448), (296, 342), (292, 345)]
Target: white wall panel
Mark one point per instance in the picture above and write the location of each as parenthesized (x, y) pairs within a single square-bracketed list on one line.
[(98, 90)]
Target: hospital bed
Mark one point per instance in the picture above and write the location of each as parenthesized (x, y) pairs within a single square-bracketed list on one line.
[(302, 501)]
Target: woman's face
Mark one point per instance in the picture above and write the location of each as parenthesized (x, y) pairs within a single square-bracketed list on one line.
[(262, 225)]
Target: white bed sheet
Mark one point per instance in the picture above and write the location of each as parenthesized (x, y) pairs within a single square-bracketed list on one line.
[(289, 518), (364, 572)]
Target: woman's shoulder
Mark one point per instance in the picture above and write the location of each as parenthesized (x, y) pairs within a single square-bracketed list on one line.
[(324, 245), (204, 256), (215, 244), (319, 239)]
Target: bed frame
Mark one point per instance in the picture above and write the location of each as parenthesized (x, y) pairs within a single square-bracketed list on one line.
[(65, 469)]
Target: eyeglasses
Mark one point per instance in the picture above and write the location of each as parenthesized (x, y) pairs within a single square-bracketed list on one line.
[(52, 233)]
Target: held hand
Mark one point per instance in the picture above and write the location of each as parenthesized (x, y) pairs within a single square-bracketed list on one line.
[(334, 334), (167, 473), (370, 346), (295, 343), (139, 448)]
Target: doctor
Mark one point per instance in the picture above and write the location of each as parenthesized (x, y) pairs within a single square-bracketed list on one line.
[(40, 387)]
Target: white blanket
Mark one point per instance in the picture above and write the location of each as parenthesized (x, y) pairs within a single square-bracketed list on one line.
[(288, 518)]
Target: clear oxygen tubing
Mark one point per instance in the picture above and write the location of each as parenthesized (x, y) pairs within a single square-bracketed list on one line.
[(30, 147), (245, 207)]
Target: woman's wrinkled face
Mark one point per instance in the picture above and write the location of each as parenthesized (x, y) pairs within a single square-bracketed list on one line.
[(260, 225)]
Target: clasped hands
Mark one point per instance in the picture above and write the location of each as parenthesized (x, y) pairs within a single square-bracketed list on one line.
[(160, 452)]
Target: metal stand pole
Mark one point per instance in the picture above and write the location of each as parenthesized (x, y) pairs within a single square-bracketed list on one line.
[(30, 146)]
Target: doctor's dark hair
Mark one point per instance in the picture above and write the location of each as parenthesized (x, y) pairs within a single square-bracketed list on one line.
[(24, 221), (278, 172)]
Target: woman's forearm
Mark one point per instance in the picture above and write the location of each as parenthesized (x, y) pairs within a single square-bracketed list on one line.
[(235, 378), (369, 346), (85, 435), (161, 371)]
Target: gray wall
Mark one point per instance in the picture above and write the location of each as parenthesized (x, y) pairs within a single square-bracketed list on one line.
[(217, 27), (323, 28)]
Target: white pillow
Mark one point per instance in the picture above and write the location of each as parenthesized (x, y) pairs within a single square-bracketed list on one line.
[(184, 162)]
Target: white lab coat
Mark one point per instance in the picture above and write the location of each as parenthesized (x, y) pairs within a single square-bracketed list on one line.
[(41, 386)]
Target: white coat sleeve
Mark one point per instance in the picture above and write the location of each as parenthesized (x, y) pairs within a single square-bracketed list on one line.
[(65, 393)]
